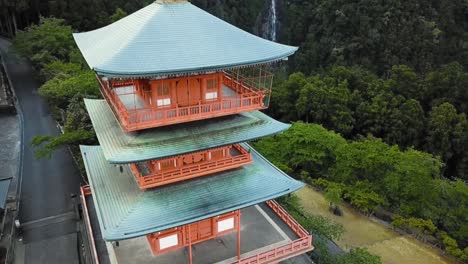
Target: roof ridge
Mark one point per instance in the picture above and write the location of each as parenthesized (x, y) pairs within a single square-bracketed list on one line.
[(135, 34), (170, 1), (133, 208)]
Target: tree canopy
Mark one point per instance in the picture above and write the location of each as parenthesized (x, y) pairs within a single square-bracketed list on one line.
[(385, 83), (372, 175)]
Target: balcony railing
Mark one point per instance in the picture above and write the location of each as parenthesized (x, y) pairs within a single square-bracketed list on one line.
[(92, 255), (294, 248), (252, 92), (276, 255), (191, 171), (149, 117), (287, 218)]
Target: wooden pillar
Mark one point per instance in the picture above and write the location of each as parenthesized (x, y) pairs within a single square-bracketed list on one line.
[(238, 235), (220, 79), (189, 244)]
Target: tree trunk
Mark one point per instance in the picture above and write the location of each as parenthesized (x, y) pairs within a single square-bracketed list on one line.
[(15, 26), (2, 29), (8, 23), (37, 6), (26, 20), (3, 26)]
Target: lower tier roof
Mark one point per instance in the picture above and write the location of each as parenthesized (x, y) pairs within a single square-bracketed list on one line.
[(124, 211), (123, 148)]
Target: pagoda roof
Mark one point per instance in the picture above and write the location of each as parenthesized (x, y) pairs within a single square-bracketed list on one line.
[(121, 148), (171, 38), (124, 211)]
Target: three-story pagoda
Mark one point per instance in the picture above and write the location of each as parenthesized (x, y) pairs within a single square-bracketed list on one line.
[(182, 91)]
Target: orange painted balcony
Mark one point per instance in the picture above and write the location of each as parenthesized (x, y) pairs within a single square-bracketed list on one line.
[(147, 103), (164, 171)]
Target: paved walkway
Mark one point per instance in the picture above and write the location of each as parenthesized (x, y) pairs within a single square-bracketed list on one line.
[(47, 183)]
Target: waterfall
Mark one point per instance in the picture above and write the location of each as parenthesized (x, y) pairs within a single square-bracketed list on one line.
[(270, 26), (273, 20)]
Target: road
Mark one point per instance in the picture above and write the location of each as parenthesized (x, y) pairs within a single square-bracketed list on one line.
[(46, 208)]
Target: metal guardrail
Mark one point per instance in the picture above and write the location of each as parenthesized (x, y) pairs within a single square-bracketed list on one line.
[(7, 98)]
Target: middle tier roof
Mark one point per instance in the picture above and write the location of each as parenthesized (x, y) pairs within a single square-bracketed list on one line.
[(123, 148)]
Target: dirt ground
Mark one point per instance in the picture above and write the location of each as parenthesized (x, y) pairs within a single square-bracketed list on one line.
[(377, 238)]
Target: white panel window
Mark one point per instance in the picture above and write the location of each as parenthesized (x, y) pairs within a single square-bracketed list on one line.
[(164, 102), (226, 224), (212, 95), (169, 241)]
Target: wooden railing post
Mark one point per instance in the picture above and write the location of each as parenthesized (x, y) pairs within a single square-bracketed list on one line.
[(238, 238), (190, 244)]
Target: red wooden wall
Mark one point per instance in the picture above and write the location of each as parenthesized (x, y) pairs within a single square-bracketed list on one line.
[(181, 92), (178, 237)]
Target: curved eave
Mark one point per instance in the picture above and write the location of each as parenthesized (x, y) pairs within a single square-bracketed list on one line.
[(116, 74), (117, 160), (125, 212), (116, 236), (178, 139)]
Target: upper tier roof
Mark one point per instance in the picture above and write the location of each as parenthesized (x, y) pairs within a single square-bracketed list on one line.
[(167, 38), (124, 211), (121, 147)]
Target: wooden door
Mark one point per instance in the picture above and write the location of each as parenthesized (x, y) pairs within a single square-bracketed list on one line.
[(182, 93), (195, 91), (201, 230), (218, 154), (194, 232), (205, 229), (161, 93)]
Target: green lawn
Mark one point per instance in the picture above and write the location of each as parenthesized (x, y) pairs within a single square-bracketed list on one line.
[(363, 232)]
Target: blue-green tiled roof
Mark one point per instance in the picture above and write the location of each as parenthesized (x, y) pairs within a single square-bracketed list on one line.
[(121, 147), (124, 211), (173, 38)]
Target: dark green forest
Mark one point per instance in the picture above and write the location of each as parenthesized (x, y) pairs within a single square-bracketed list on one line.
[(378, 94)]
